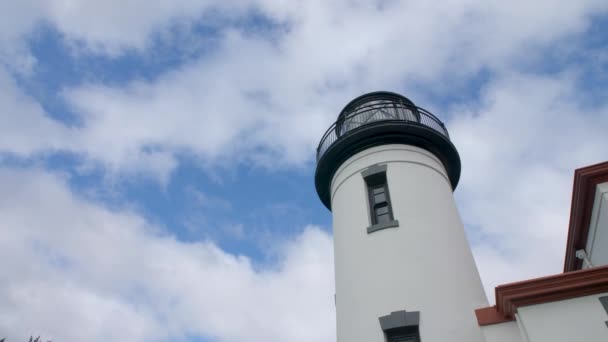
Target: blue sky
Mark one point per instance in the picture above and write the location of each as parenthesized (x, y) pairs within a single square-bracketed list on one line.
[(158, 158)]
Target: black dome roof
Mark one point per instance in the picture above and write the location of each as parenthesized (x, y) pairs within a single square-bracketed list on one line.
[(374, 97)]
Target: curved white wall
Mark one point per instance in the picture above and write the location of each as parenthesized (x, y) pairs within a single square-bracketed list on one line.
[(423, 265)]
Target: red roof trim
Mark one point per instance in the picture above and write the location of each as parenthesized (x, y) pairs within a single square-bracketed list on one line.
[(583, 192), (490, 315), (568, 285)]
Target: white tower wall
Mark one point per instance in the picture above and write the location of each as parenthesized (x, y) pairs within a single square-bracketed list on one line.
[(425, 264)]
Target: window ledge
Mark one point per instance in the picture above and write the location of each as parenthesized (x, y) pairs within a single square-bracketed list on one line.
[(380, 226)]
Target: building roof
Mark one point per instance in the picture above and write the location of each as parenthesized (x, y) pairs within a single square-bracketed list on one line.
[(585, 181), (575, 281), (562, 286)]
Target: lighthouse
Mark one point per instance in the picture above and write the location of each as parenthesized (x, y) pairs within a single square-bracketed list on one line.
[(387, 169)]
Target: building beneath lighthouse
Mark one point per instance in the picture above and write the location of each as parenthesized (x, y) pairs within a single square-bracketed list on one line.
[(404, 271)]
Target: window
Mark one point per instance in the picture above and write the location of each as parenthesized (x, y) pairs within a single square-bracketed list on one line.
[(401, 326), (604, 301), (380, 210), (379, 202), (403, 335)]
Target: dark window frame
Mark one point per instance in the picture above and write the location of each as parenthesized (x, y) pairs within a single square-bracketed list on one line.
[(403, 335), (604, 301), (401, 326), (379, 183), (375, 179)]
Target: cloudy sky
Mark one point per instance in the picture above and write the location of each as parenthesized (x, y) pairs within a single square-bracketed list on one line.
[(157, 157)]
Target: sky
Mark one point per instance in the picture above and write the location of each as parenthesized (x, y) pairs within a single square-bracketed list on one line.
[(157, 158)]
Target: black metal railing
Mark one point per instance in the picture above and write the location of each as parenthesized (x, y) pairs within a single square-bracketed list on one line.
[(378, 111)]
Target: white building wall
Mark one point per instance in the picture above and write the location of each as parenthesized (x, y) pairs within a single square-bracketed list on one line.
[(578, 319), (503, 332), (423, 265)]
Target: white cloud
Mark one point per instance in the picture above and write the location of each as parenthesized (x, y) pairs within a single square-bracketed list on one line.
[(267, 100), (19, 18), (519, 150), (113, 27), (73, 271), (26, 129)]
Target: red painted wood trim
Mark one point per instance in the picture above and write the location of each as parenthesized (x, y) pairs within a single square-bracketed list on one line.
[(568, 285), (583, 192), (489, 315)]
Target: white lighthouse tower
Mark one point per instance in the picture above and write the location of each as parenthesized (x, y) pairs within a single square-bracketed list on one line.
[(404, 270)]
